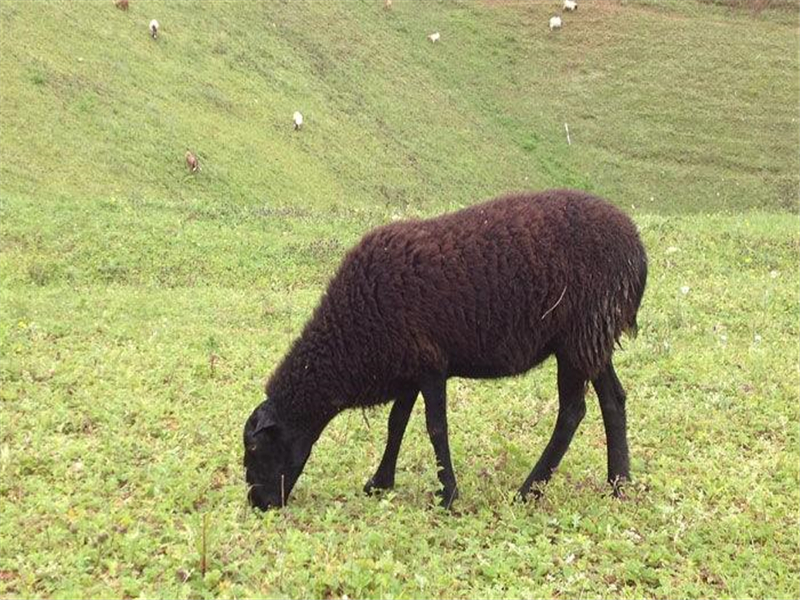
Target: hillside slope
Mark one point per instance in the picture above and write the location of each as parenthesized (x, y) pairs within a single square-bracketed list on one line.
[(95, 118), (670, 109)]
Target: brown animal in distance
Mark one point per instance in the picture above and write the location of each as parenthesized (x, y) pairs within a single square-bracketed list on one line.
[(191, 162), (121, 4)]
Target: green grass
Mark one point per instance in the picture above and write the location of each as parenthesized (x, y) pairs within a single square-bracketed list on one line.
[(141, 308)]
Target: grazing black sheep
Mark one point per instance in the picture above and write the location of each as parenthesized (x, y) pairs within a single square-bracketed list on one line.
[(488, 291)]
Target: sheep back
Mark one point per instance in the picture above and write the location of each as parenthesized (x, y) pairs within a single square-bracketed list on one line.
[(488, 291)]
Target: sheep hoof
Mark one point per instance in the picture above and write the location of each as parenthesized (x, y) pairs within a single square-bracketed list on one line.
[(374, 486), (447, 497), (618, 487), (522, 496)]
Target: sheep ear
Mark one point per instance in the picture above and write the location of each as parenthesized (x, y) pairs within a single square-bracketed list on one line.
[(265, 421)]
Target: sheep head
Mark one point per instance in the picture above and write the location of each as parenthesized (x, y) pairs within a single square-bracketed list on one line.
[(274, 456)]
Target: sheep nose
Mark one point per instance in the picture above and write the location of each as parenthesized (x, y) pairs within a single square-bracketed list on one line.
[(258, 499)]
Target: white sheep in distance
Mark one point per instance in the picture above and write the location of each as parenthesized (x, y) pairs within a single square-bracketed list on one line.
[(555, 23), (297, 119), (570, 5), (154, 28), (434, 37)]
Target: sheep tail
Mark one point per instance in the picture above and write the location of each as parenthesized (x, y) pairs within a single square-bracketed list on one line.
[(631, 328)]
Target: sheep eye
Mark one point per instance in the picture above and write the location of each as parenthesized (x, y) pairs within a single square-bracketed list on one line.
[(253, 448)]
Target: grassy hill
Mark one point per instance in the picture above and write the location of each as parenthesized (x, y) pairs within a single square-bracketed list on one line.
[(696, 100), (141, 307)]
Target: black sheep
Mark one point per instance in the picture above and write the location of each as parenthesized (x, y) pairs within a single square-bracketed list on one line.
[(488, 291)]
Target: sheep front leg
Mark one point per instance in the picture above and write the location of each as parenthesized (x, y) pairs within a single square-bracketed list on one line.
[(398, 419), (612, 405), (571, 409), (435, 396)]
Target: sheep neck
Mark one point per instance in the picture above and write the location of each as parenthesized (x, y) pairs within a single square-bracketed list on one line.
[(307, 386), (331, 366)]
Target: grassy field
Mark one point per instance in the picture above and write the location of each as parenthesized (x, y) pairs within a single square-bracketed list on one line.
[(141, 308)]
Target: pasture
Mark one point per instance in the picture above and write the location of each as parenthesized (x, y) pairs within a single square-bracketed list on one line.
[(142, 307)]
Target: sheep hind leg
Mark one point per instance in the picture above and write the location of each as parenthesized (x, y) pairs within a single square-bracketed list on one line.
[(571, 410), (612, 404), (435, 396), (398, 420)]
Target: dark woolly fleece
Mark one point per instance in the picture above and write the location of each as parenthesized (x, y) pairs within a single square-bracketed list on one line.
[(488, 291)]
